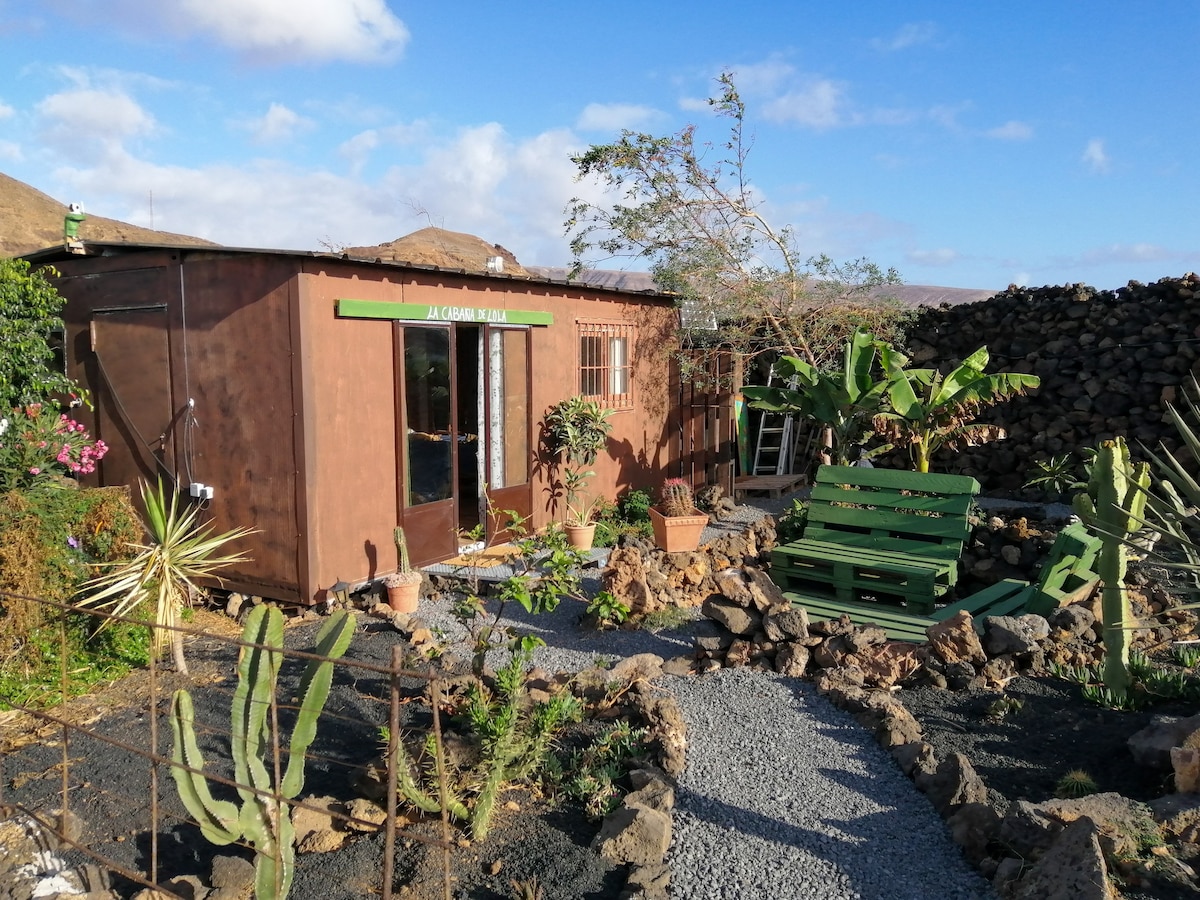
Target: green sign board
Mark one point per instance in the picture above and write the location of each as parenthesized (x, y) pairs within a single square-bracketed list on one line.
[(425, 312)]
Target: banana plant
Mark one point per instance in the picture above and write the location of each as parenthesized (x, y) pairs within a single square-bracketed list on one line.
[(930, 411), (844, 400), (261, 819), (1113, 508)]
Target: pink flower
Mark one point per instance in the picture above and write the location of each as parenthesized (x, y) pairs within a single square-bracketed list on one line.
[(35, 471)]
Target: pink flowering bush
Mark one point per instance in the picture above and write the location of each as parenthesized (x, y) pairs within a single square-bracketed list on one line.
[(38, 444)]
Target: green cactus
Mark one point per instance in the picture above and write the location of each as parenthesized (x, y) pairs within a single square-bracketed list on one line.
[(677, 498), (261, 819), (514, 738), (401, 549), (1114, 508)]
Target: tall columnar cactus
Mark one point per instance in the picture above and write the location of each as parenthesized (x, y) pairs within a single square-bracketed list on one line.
[(677, 498), (1113, 508), (260, 819), (402, 549)]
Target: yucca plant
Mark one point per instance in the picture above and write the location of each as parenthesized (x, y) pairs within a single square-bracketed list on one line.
[(179, 551)]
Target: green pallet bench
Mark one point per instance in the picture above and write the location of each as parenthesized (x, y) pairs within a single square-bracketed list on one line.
[(885, 533), (1065, 575)]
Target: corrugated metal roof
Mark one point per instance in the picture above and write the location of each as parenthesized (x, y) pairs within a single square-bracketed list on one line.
[(117, 248)]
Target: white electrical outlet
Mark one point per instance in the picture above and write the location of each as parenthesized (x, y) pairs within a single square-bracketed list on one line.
[(207, 492), (196, 490)]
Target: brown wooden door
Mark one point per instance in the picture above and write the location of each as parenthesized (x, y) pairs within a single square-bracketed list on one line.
[(133, 393), (426, 440), (508, 454)]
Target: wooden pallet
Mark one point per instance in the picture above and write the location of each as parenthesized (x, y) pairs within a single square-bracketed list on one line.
[(881, 534), (1066, 575), (773, 485)]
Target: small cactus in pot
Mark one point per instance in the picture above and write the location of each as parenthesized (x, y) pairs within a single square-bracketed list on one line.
[(404, 585), (675, 498)]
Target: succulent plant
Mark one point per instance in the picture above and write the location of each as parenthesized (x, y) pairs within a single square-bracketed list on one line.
[(676, 498), (262, 819), (1114, 508)]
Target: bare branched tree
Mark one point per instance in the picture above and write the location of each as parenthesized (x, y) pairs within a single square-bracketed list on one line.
[(689, 209)]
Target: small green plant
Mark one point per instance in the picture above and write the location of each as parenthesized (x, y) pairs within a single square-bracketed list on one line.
[(635, 506), (1186, 654), (1075, 674), (590, 776), (575, 430), (608, 610), (1102, 695), (261, 819), (790, 525), (165, 569), (1003, 707), (668, 618), (1076, 783), (527, 890), (1058, 475)]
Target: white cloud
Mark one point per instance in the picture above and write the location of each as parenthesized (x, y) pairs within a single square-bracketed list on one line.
[(79, 118), (912, 34), (10, 151), (694, 104), (6, 111), (947, 115), (1011, 131), (943, 256), (765, 77), (1127, 253), (615, 117), (284, 31), (1095, 157), (278, 124), (819, 105)]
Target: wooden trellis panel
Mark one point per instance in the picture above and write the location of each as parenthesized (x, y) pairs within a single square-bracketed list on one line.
[(704, 421)]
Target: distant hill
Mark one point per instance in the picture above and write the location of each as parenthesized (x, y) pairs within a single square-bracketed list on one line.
[(908, 294), (31, 220), (445, 249)]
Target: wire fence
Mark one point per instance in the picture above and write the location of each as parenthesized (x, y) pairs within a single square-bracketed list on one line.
[(115, 767)]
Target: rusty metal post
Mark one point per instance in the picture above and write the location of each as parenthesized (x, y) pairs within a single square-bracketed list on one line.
[(435, 700), (153, 765), (66, 733), (389, 834)]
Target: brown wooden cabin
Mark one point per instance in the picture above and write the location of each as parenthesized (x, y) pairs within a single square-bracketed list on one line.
[(325, 400)]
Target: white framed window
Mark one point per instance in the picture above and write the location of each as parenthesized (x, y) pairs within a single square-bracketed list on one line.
[(605, 368)]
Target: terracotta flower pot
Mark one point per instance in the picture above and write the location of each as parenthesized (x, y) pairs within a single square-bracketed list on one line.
[(581, 536), (677, 534), (403, 591)]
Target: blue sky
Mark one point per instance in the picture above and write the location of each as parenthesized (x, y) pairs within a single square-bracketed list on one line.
[(967, 145)]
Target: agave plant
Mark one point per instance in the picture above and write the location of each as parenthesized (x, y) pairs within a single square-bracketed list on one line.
[(178, 552)]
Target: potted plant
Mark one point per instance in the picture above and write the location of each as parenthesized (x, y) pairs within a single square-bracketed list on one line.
[(576, 430), (677, 523), (404, 585)]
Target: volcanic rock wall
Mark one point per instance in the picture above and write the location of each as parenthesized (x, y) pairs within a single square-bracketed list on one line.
[(1109, 361)]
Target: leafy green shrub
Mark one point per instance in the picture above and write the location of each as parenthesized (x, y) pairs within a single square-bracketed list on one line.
[(790, 525), (50, 542), (635, 506), (630, 516)]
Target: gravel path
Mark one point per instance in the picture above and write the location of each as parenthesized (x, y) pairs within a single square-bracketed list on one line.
[(783, 796)]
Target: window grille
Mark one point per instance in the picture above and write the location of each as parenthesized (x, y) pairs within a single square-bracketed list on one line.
[(605, 353)]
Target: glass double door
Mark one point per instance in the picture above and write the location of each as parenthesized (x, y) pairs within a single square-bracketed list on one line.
[(464, 434)]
